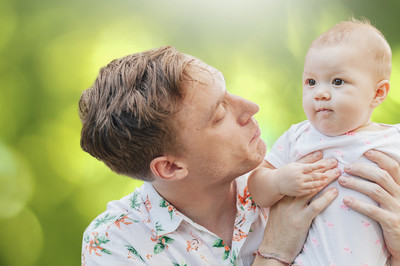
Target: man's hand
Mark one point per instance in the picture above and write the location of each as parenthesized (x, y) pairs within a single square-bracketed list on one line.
[(385, 190), (290, 219), (288, 223)]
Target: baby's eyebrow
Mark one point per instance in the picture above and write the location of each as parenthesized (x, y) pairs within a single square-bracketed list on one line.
[(307, 73)]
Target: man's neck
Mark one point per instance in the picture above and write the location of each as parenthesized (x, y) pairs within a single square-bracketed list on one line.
[(211, 207)]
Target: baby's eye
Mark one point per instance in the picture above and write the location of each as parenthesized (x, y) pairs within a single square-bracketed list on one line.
[(311, 82), (337, 82)]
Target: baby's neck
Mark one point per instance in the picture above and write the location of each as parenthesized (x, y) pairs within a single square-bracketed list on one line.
[(370, 126)]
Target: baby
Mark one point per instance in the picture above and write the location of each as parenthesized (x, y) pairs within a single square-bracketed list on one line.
[(346, 75)]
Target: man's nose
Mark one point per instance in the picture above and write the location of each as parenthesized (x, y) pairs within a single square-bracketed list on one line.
[(247, 110)]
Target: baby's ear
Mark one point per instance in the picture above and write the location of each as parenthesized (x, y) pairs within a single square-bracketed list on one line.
[(381, 92), (168, 168)]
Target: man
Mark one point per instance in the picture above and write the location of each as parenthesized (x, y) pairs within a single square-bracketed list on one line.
[(166, 118)]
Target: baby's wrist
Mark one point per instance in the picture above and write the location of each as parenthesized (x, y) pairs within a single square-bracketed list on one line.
[(279, 186)]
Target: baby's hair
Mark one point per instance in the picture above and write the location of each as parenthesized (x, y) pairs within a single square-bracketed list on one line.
[(366, 36)]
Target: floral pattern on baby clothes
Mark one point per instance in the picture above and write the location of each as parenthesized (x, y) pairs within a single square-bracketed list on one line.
[(145, 229)]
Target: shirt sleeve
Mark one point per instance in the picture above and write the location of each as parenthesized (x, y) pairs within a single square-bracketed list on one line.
[(111, 238), (279, 154), (101, 247)]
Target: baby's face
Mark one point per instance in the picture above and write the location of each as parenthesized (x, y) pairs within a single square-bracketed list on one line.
[(338, 89)]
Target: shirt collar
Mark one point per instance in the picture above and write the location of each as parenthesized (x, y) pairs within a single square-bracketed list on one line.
[(247, 213), (163, 216), (166, 219)]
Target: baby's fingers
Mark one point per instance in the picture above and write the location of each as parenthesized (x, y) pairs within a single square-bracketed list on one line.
[(321, 180), (320, 167), (311, 187), (329, 175), (314, 184)]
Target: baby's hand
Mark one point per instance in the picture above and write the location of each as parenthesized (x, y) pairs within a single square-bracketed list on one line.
[(297, 179)]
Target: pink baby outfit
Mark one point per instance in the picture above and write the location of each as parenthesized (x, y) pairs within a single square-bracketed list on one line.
[(339, 235)]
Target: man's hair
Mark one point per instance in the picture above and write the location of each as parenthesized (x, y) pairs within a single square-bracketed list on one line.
[(365, 35), (127, 114)]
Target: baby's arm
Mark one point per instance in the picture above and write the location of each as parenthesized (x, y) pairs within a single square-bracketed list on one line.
[(267, 184)]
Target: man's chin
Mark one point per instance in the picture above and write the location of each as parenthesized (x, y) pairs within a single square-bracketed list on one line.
[(262, 150)]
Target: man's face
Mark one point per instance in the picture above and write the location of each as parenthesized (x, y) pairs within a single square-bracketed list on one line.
[(218, 130), (338, 88)]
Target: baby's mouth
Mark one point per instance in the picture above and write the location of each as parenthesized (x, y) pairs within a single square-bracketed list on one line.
[(324, 110)]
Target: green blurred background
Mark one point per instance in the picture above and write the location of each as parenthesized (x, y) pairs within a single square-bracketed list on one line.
[(51, 51)]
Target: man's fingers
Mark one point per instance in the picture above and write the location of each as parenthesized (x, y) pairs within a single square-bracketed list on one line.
[(369, 210), (385, 162), (373, 190), (330, 175), (374, 174), (316, 206)]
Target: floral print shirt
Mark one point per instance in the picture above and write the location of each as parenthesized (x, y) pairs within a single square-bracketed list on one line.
[(144, 229)]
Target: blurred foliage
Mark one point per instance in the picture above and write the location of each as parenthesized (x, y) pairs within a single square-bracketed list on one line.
[(52, 50)]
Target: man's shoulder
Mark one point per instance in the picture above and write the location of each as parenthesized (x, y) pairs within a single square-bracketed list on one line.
[(128, 211), (124, 228)]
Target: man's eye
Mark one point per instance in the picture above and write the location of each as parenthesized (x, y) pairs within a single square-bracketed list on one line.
[(218, 120), (337, 82), (311, 82)]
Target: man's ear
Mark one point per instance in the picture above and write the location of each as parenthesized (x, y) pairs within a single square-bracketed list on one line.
[(168, 168), (381, 91)]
